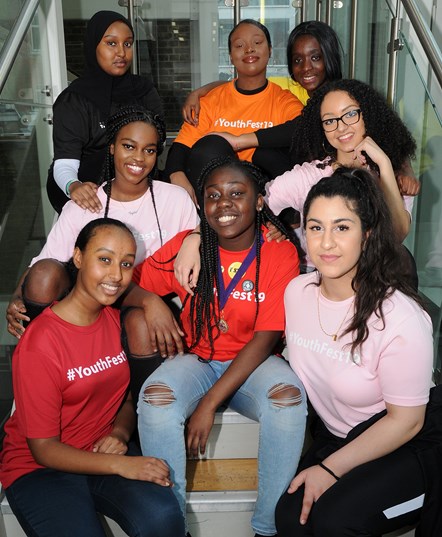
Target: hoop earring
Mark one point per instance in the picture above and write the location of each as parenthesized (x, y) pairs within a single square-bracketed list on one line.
[(330, 150)]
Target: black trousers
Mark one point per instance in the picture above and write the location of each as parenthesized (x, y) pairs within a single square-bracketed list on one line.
[(355, 505)]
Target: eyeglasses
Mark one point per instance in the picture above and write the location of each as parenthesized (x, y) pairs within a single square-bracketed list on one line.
[(349, 118)]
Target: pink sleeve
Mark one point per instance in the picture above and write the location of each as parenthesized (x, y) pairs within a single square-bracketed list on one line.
[(408, 203), (291, 188), (61, 239), (405, 365)]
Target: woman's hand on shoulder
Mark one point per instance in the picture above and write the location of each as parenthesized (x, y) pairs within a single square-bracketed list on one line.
[(112, 444), (316, 481), (85, 195), (145, 469), (191, 108), (274, 234), (15, 315), (187, 264), (408, 186)]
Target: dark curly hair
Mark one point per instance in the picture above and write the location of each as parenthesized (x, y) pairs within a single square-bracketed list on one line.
[(380, 270), (328, 41), (124, 116), (204, 309), (380, 120)]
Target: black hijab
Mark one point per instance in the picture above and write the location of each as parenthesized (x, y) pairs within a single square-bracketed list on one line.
[(96, 85)]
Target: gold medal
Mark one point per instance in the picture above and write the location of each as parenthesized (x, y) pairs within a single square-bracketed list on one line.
[(223, 326)]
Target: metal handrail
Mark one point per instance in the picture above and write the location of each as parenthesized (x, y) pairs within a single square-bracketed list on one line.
[(425, 37), (15, 38)]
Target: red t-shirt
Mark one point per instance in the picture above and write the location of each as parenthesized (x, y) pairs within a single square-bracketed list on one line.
[(279, 265), (69, 381)]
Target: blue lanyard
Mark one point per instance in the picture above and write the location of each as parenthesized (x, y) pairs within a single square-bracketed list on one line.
[(225, 293)]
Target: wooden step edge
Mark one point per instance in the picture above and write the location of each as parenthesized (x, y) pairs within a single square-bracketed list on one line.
[(222, 475)]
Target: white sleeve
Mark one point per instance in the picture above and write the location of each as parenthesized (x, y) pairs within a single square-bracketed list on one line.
[(66, 171)]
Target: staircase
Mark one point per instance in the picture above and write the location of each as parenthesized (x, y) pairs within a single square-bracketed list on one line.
[(221, 488)]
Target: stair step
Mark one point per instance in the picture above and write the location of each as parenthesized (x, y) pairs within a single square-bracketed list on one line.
[(222, 475), (233, 436)]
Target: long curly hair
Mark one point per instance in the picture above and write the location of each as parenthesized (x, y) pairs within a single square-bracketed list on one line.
[(204, 308), (328, 41), (380, 120), (380, 269), (124, 116)]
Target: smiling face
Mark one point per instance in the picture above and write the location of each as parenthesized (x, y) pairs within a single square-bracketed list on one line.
[(308, 65), (346, 137), (230, 205), (105, 265), (114, 51), (249, 51), (135, 155), (334, 241)]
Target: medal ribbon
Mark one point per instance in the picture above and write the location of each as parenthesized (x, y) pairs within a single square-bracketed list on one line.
[(225, 293)]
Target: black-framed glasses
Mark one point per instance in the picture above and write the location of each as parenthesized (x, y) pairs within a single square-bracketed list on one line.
[(349, 118)]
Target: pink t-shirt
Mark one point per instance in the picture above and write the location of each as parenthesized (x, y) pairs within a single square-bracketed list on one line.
[(395, 365), (176, 212), (291, 188)]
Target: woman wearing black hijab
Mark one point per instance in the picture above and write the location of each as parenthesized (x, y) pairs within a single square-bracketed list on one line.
[(82, 109)]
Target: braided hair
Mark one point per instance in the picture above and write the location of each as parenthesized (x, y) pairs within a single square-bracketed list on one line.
[(380, 269), (124, 116), (204, 309)]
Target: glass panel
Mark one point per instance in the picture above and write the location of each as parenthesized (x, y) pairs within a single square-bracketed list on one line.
[(8, 15), (25, 155), (185, 46), (419, 112), (373, 34)]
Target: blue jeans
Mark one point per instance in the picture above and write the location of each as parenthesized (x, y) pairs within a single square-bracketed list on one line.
[(50, 503), (282, 423)]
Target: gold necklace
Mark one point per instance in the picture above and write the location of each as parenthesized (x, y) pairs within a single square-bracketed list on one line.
[(137, 209), (335, 335)]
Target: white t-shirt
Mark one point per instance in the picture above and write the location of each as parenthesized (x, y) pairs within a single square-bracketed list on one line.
[(176, 212), (395, 365)]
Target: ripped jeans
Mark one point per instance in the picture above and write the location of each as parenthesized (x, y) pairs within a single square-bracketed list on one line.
[(282, 422)]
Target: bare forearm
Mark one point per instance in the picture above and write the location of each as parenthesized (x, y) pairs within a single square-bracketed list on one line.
[(382, 438), (58, 456), (18, 289), (394, 200)]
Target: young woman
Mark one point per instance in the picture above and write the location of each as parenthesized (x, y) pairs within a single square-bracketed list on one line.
[(65, 455), (362, 345), (128, 193), (82, 110), (313, 57), (231, 325), (345, 123), (242, 105)]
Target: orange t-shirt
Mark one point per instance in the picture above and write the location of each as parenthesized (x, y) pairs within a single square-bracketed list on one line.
[(225, 109)]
